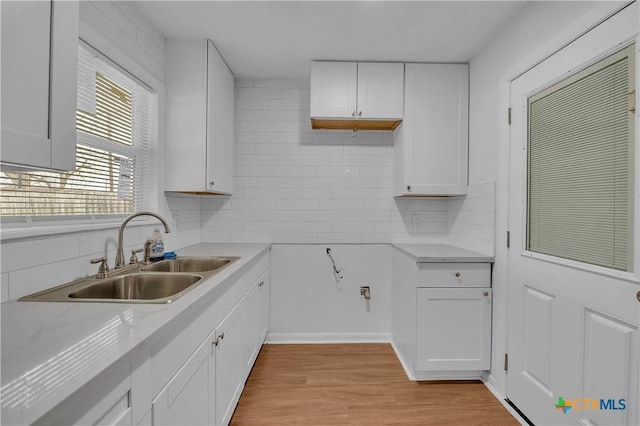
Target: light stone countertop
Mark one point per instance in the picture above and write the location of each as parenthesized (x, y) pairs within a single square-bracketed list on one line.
[(442, 253), (51, 349)]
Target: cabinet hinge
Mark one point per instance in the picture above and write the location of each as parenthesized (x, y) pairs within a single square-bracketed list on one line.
[(509, 115), (632, 100), (506, 362), (508, 239)]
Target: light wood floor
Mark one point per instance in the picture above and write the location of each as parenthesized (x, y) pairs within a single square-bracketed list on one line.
[(356, 384)]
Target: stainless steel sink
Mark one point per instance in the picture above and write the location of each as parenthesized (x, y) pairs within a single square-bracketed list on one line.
[(190, 264), (140, 286), (161, 282)]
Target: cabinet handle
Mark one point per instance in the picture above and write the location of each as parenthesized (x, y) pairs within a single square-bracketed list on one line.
[(408, 188), (486, 293), (458, 274), (215, 342), (360, 114), (638, 296), (221, 336), (212, 183), (353, 114), (261, 284)]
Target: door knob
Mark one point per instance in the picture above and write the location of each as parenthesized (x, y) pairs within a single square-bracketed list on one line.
[(486, 293)]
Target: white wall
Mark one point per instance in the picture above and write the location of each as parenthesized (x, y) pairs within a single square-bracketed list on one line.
[(57, 256), (309, 303), (293, 185), (535, 32)]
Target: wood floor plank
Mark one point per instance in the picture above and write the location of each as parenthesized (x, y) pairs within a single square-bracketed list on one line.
[(356, 384)]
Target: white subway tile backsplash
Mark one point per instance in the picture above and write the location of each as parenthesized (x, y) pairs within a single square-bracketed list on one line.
[(287, 104), (310, 194), (295, 138), (280, 182), (251, 104), (296, 93), (45, 250), (293, 171), (295, 237), (276, 115), (325, 215), (276, 83), (260, 93), (307, 226), (307, 160)]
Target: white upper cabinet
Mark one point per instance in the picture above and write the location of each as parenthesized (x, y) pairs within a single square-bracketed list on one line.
[(431, 145), (380, 91), (333, 89), (39, 84), (200, 104), (350, 95)]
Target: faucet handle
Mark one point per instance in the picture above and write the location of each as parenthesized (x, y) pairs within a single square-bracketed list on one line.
[(134, 258), (103, 270)]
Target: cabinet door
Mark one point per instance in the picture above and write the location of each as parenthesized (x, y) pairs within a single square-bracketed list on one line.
[(220, 126), (184, 401), (250, 311), (333, 89), (229, 365), (453, 329), (39, 82), (264, 303), (434, 131), (380, 90), (186, 124)]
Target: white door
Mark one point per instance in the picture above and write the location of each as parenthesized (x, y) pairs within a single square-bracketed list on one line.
[(573, 339)]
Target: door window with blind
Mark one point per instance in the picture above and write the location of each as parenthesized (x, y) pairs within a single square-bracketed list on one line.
[(580, 165), (115, 127)]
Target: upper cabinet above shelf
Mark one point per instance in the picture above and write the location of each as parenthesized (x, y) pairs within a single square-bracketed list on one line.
[(351, 95)]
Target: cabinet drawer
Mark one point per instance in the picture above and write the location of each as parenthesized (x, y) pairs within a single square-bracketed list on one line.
[(454, 275)]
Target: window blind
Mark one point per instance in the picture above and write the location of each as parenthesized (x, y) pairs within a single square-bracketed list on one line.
[(580, 165), (115, 128)]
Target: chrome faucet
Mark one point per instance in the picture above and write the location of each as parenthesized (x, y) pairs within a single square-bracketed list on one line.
[(120, 252)]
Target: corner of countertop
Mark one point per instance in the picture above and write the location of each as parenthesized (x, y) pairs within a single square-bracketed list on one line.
[(442, 253)]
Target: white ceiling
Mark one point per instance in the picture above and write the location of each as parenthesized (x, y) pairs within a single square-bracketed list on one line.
[(278, 39)]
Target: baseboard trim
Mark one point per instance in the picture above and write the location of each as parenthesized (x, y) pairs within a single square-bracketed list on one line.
[(407, 370), (505, 404), (312, 338)]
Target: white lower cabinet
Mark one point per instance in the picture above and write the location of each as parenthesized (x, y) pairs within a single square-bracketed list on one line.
[(185, 399), (441, 318), (256, 312), (229, 368), (264, 303), (453, 329)]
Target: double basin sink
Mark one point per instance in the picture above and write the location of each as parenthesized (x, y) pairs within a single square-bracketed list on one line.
[(159, 282)]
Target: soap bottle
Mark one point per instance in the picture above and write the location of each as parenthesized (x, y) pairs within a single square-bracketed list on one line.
[(157, 246)]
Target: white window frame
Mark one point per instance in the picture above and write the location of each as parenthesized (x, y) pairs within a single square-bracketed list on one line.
[(15, 228)]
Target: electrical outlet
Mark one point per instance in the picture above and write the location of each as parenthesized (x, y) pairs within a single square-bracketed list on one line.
[(415, 220)]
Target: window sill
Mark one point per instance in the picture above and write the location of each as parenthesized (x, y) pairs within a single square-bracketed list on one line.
[(18, 230)]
